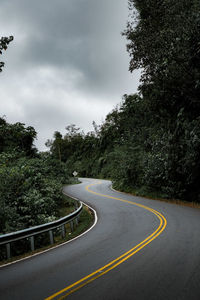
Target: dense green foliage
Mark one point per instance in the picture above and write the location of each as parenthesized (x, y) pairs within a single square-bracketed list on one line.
[(30, 183), (151, 141)]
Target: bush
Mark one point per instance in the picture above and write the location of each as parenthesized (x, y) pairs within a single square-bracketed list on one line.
[(30, 190)]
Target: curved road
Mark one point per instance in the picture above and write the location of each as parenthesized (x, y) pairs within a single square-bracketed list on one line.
[(139, 249)]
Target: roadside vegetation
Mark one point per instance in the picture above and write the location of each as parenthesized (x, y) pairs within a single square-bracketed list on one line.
[(30, 182), (150, 142)]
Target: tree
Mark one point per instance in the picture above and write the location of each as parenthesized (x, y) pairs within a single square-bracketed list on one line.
[(4, 41), (167, 52), (17, 136), (57, 143)]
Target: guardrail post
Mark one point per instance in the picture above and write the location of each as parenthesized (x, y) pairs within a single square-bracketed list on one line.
[(51, 237), (72, 226), (63, 231), (8, 252), (76, 220), (32, 243)]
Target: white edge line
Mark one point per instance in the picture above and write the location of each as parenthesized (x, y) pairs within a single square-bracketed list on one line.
[(116, 190), (27, 257), (113, 189)]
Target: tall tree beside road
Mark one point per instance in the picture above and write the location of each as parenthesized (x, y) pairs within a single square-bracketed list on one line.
[(168, 53)]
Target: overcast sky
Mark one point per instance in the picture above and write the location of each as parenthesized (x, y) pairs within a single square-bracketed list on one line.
[(67, 64)]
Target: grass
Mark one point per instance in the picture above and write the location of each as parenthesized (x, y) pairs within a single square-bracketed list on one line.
[(85, 222), (67, 207), (142, 192)]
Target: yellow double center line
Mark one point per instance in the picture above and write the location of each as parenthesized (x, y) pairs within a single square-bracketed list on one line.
[(114, 263)]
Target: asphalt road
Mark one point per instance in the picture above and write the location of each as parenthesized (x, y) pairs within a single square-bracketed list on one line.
[(139, 249)]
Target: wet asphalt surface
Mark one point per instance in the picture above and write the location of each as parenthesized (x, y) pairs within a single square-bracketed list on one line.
[(167, 268)]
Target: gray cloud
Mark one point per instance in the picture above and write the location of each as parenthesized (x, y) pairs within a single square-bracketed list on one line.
[(67, 64)]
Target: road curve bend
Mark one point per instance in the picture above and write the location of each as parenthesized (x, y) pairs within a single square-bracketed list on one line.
[(139, 249)]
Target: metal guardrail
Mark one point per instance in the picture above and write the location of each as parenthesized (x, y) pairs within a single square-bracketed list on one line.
[(7, 239)]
